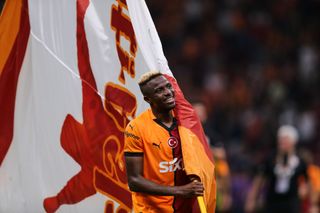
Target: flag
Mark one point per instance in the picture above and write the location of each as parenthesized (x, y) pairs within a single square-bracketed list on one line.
[(68, 88)]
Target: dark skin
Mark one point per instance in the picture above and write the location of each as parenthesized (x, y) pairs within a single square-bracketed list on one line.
[(159, 93)]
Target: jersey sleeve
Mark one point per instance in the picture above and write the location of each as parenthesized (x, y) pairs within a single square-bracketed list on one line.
[(133, 145)]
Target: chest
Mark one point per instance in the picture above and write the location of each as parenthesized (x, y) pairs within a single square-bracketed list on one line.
[(162, 143)]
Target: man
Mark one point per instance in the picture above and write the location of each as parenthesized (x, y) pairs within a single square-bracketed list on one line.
[(283, 173), (153, 154)]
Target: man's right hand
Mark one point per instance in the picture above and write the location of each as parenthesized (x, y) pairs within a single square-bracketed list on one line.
[(192, 189)]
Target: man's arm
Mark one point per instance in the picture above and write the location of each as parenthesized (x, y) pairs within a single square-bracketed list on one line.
[(138, 183), (257, 184)]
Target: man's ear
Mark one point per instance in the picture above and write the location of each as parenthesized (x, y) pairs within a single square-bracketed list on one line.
[(146, 99)]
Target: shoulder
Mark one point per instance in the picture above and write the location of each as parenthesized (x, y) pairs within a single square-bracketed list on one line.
[(137, 123), (141, 118)]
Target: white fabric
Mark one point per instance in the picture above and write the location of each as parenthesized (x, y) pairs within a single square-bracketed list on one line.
[(49, 88), (145, 31)]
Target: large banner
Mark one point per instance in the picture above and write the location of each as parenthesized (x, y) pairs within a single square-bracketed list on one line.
[(68, 88)]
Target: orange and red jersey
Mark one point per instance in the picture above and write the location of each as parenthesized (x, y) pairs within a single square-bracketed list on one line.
[(160, 147), (314, 176)]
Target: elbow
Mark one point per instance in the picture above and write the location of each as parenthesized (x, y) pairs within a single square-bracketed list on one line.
[(132, 186), (133, 183)]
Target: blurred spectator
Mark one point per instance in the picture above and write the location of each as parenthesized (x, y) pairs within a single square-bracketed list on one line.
[(224, 199), (222, 170), (282, 173), (312, 205), (202, 113)]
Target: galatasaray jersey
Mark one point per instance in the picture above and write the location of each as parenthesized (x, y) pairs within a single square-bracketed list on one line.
[(160, 147)]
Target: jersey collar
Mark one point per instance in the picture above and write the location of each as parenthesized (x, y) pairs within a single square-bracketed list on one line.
[(174, 123)]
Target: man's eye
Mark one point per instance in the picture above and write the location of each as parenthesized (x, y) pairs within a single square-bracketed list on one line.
[(158, 90), (169, 86)]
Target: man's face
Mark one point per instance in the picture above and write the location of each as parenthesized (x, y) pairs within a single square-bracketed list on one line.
[(285, 143), (160, 94)]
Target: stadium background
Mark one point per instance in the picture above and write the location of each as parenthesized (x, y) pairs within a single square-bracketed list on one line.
[(254, 65)]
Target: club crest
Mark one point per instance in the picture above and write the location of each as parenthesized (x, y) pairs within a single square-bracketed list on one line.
[(173, 142)]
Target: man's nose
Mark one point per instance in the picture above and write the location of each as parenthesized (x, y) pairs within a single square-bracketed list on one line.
[(168, 92)]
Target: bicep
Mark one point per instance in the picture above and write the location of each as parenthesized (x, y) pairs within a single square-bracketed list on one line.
[(134, 165)]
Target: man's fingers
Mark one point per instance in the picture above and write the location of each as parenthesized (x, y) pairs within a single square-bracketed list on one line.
[(198, 188), (198, 193), (199, 185), (195, 188)]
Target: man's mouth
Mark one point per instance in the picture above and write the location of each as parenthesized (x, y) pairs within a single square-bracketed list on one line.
[(169, 100)]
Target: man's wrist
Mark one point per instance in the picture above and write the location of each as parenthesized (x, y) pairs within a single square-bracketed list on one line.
[(177, 191)]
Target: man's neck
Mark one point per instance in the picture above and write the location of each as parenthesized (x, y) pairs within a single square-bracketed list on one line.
[(165, 117), (289, 152)]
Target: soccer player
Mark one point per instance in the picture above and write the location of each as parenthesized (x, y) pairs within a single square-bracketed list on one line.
[(153, 154)]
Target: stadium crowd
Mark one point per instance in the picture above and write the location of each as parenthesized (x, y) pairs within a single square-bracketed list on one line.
[(254, 65)]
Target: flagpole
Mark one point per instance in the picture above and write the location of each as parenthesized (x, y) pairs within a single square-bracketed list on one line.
[(201, 204)]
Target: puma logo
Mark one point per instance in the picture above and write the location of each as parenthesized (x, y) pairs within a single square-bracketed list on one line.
[(156, 145), (131, 126)]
